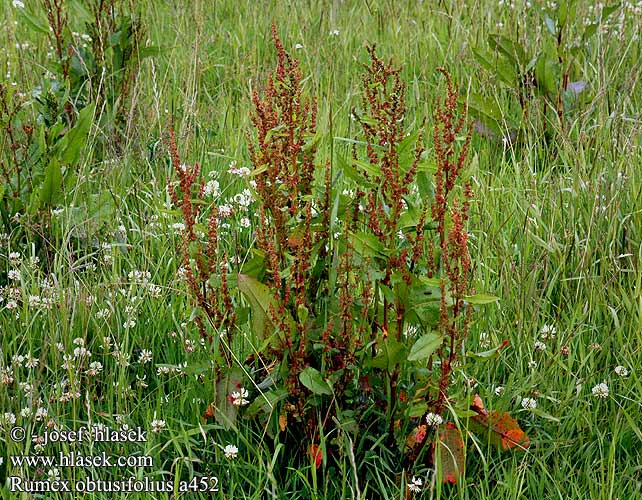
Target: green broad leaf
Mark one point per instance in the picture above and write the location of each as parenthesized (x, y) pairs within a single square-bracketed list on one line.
[(351, 173), (425, 186), (392, 353), (486, 107), (367, 245), (262, 301), (490, 353), (480, 299), (311, 141), (566, 13), (408, 143), (426, 164), (610, 9), (150, 51), (369, 168), (312, 379), (224, 411), (546, 71), (266, 402), (302, 314), (589, 31), (32, 21), (510, 49), (417, 409), (425, 346), (76, 138), (51, 189), (499, 66), (255, 266)]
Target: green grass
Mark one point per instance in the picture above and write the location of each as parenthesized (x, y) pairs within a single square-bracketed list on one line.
[(556, 233)]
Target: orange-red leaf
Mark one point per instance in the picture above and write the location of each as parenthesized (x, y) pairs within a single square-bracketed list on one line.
[(417, 435), (449, 453), (283, 422), (315, 454), (504, 431)]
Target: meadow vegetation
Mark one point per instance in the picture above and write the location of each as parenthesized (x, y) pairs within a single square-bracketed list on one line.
[(323, 250)]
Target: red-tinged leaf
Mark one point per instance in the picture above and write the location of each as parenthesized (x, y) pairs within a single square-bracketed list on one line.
[(315, 454), (504, 431), (478, 405), (417, 435), (449, 453), (209, 413)]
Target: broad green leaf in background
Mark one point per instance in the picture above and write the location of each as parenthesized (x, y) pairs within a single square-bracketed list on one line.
[(224, 410), (480, 299), (51, 189), (367, 245), (391, 354), (425, 346), (262, 302), (76, 138), (312, 379)]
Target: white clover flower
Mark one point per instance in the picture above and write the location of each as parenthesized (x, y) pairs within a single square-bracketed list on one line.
[(433, 420), (298, 46), (15, 258), (103, 313), (162, 370), (155, 291), (225, 211), (239, 398), (621, 371), (34, 300), (95, 367), (6, 377), (41, 414), (415, 484), (18, 4), (145, 356), (529, 403), (240, 171), (9, 418), (158, 425), (212, 188), (334, 33), (129, 324), (178, 227), (190, 345), (12, 304), (245, 222), (601, 390), (53, 474), (14, 274), (499, 390), (26, 412), (539, 346), (548, 332), (82, 352), (31, 362), (231, 451)]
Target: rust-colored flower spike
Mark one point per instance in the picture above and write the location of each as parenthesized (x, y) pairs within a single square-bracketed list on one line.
[(282, 150), (447, 209), (200, 260)]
